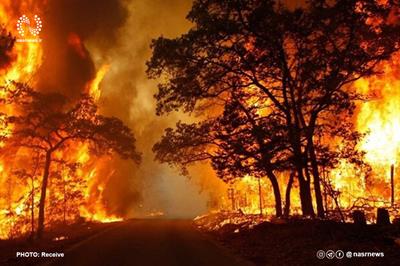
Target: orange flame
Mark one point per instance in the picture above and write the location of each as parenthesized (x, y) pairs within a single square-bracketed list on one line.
[(16, 195)]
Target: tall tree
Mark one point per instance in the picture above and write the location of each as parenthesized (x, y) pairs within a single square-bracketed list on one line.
[(49, 123), (29, 174), (301, 61), (237, 143)]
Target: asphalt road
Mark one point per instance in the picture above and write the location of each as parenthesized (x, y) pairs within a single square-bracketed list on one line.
[(149, 242)]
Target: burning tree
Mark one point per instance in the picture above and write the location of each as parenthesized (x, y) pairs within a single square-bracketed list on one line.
[(48, 124), (298, 64)]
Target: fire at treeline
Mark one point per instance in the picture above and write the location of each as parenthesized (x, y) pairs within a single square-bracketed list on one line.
[(295, 107)]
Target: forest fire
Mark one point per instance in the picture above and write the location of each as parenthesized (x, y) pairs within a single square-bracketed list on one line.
[(274, 123), (333, 168), (77, 189), (378, 118)]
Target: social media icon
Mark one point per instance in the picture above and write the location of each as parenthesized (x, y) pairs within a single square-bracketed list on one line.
[(320, 254), (330, 254), (339, 254)]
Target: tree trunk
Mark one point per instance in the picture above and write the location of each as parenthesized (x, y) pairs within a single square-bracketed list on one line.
[(305, 198), (260, 196), (305, 190), (65, 201), (287, 195), (317, 182), (33, 209), (277, 194), (295, 133), (42, 201)]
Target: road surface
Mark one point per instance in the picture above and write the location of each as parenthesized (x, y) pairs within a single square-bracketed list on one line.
[(149, 242)]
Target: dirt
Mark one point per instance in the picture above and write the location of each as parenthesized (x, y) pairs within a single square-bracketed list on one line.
[(296, 242)]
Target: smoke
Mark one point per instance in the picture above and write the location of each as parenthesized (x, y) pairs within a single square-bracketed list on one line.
[(128, 94), (79, 37), (67, 65)]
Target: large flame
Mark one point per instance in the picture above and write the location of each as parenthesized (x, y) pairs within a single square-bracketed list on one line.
[(86, 194), (379, 118)]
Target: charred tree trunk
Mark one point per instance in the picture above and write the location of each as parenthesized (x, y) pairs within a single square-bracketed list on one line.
[(277, 194), (305, 197), (294, 129), (317, 180), (305, 193), (287, 195), (304, 184), (392, 184), (260, 196), (33, 208), (65, 201), (42, 201)]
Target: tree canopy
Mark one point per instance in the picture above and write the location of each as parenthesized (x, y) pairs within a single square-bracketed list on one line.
[(48, 122), (295, 66)]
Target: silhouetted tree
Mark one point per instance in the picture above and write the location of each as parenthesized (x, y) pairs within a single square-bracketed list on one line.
[(67, 187), (49, 123), (237, 143), (30, 174), (301, 61)]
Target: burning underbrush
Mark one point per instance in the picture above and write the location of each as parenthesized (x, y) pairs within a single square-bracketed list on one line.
[(223, 219)]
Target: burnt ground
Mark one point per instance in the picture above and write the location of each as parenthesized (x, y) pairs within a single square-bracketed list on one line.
[(295, 242), (59, 239)]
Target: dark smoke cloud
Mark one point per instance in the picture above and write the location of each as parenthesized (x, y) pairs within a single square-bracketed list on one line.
[(128, 94), (66, 69), (119, 33)]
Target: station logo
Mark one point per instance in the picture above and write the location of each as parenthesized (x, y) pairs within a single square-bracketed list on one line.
[(29, 30)]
